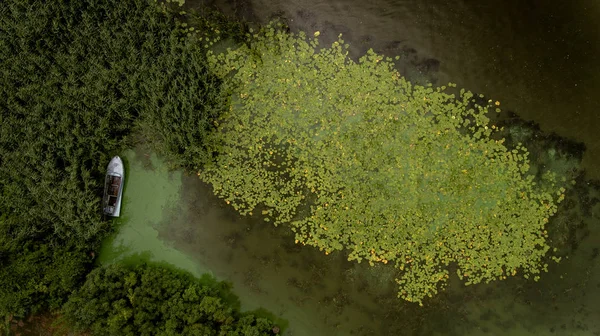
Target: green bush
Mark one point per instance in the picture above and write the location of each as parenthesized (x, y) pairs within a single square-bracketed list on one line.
[(152, 300), (352, 156)]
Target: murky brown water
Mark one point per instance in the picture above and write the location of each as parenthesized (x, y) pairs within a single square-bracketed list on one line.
[(327, 295), (174, 217), (541, 59)]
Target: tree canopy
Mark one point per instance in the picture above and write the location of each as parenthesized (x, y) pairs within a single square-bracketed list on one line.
[(154, 300), (350, 155)]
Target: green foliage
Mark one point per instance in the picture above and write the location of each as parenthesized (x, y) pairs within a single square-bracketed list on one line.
[(40, 275), (181, 98), (152, 300), (352, 156), (61, 116), (182, 101), (75, 77)]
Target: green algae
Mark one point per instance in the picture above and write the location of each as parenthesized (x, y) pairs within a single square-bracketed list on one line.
[(150, 194)]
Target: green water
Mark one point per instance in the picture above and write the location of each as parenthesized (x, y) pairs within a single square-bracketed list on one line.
[(151, 192), (175, 218)]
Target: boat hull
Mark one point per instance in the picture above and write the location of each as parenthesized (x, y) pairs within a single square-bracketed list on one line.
[(113, 189)]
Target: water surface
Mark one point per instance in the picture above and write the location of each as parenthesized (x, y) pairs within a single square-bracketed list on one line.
[(174, 217), (541, 59), (150, 193)]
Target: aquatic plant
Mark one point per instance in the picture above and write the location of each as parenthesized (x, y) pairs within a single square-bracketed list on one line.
[(352, 156)]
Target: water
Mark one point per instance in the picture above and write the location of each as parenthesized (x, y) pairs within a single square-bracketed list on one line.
[(151, 192), (173, 217), (540, 59)]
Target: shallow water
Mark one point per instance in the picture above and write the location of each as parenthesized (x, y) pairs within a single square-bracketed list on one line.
[(149, 194), (540, 59), (173, 217)]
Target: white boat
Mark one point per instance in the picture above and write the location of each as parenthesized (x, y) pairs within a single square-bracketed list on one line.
[(113, 188)]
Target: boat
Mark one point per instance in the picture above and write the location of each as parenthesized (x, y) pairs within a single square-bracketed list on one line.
[(113, 188)]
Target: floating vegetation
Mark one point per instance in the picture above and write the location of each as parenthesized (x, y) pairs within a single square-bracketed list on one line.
[(352, 156)]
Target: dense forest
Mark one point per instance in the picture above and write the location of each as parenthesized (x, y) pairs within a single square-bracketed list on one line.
[(78, 79)]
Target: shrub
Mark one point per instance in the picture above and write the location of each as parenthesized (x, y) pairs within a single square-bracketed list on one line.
[(153, 300)]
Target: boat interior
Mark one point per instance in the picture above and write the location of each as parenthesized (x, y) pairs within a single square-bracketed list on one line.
[(114, 184)]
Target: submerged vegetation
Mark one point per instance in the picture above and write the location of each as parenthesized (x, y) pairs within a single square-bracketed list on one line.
[(352, 156)]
